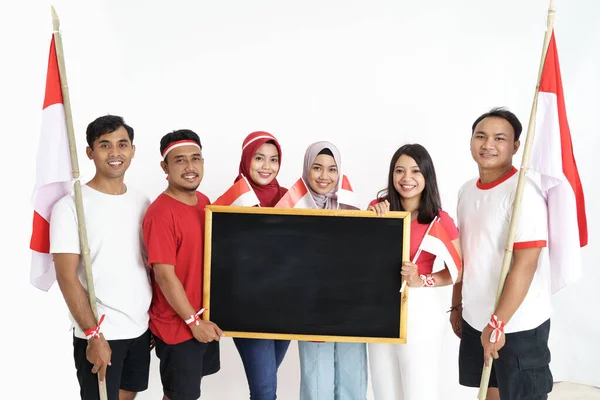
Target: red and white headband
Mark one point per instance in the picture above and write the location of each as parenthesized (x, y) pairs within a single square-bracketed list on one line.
[(179, 143), (263, 136)]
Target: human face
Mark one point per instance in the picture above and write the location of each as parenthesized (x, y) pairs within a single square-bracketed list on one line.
[(184, 167), (408, 179), (323, 176), (265, 164), (112, 154), (493, 143)]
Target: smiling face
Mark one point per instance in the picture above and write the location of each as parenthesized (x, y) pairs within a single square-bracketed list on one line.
[(112, 154), (323, 176), (408, 179), (265, 164), (493, 144), (184, 167)]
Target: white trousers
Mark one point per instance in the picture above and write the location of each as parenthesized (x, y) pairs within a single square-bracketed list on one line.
[(410, 371)]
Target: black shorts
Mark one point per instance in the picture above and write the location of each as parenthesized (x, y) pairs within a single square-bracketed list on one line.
[(183, 365), (521, 372), (129, 369)]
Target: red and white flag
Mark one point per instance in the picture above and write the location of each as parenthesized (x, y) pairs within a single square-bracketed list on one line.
[(297, 196), (346, 195), (552, 157), (240, 194), (53, 175), (437, 242)]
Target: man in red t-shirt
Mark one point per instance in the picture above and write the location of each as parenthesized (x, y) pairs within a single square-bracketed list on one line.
[(173, 230)]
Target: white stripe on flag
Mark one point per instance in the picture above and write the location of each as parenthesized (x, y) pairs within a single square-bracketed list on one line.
[(247, 199), (563, 230), (345, 194), (42, 274), (53, 168)]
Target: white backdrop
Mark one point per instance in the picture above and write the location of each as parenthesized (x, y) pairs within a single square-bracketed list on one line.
[(368, 76)]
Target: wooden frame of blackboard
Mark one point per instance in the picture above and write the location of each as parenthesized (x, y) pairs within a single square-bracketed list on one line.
[(402, 329)]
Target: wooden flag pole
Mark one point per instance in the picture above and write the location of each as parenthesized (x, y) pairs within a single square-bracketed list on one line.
[(485, 376), (85, 251)]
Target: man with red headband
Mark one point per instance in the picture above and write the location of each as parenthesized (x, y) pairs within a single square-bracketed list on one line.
[(173, 230)]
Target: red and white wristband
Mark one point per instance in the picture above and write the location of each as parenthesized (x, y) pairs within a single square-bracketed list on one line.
[(428, 280), (94, 332), (497, 328), (194, 319)]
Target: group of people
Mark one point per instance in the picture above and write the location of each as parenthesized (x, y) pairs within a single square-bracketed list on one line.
[(147, 265)]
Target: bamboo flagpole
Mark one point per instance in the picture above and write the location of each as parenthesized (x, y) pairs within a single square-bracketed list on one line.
[(514, 219), (85, 251)]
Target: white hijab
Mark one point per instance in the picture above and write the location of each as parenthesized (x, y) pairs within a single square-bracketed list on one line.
[(328, 200)]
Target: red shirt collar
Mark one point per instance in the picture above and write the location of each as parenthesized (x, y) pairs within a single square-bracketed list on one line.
[(486, 186)]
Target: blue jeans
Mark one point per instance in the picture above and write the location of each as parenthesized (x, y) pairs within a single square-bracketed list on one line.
[(333, 371), (261, 359)]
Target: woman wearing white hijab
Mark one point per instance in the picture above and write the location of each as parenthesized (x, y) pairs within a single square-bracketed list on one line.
[(329, 371)]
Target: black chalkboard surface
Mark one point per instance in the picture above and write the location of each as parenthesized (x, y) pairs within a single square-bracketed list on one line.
[(327, 275)]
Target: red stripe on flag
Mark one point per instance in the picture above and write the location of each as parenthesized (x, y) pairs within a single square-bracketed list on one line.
[(233, 193), (53, 90), (346, 184), (293, 195), (438, 231), (40, 236), (551, 82)]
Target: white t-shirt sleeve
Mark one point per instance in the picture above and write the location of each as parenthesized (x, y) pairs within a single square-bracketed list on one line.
[(532, 230), (64, 233)]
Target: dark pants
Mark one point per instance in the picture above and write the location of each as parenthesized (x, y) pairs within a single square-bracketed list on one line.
[(521, 372), (129, 367), (183, 365), (261, 359)]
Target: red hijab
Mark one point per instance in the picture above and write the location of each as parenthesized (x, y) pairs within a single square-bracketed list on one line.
[(269, 194)]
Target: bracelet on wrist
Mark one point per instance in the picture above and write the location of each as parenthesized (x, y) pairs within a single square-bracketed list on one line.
[(457, 307), (95, 331), (497, 328), (428, 280), (194, 319)]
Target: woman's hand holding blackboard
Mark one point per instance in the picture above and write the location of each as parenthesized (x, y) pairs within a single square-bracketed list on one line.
[(206, 331), (380, 208)]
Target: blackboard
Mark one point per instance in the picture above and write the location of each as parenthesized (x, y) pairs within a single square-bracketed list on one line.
[(304, 274)]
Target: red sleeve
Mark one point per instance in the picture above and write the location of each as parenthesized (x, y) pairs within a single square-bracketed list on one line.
[(448, 224), (160, 238)]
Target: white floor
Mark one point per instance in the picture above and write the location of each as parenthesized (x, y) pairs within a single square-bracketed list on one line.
[(572, 391)]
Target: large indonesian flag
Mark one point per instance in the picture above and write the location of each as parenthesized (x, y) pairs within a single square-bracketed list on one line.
[(53, 175), (240, 194), (297, 196), (552, 157), (437, 242)]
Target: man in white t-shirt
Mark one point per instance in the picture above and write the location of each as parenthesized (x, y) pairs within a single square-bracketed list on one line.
[(515, 332), (120, 338)]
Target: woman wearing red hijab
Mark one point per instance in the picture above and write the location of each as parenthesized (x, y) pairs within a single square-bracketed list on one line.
[(261, 158)]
